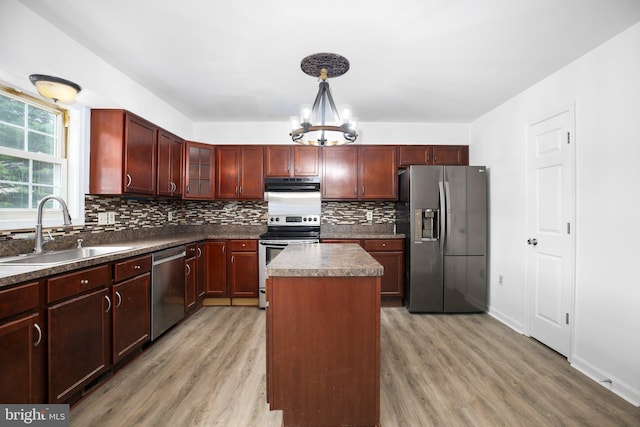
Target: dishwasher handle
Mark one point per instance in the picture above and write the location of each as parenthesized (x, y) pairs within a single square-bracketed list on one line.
[(158, 261)]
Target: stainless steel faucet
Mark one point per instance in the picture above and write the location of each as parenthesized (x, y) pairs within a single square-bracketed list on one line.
[(37, 248)]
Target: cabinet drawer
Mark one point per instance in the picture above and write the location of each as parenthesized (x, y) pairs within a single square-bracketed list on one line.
[(19, 299), (132, 267), (378, 245), (243, 245), (77, 282), (191, 251)]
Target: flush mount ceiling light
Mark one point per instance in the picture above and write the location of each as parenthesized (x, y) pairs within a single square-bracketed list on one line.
[(321, 124), (55, 88)]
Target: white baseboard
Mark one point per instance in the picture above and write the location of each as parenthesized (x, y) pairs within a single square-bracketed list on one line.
[(509, 321), (625, 391)]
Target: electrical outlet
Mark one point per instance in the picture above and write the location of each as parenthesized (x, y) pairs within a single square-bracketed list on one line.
[(369, 215), (102, 218), (500, 280), (111, 217), (170, 216)]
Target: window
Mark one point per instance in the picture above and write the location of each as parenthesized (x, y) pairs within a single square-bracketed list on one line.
[(33, 159)]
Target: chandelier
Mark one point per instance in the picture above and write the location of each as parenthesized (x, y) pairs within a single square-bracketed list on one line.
[(321, 124)]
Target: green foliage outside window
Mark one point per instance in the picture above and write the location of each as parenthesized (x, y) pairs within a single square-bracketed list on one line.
[(24, 177)]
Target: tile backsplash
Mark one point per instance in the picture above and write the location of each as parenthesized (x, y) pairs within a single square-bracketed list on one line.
[(138, 215)]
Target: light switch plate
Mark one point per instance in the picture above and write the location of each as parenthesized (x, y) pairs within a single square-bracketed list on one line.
[(111, 217)]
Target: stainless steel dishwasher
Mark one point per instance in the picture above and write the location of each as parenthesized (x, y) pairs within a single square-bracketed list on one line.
[(167, 290)]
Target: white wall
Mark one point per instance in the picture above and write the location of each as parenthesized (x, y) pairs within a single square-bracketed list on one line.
[(30, 45), (369, 133), (605, 86)]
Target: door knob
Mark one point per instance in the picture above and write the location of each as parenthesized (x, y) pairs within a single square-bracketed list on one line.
[(532, 242)]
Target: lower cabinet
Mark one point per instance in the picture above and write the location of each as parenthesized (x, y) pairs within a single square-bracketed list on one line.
[(22, 358), (243, 268), (131, 297), (79, 324), (389, 253), (215, 274), (190, 278), (231, 269)]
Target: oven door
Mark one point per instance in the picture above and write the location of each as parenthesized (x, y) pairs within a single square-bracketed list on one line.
[(266, 252)]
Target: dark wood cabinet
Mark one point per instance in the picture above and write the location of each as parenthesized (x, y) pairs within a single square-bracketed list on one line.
[(433, 155), (23, 344), (170, 161), (340, 173), (450, 155), (190, 277), (243, 268), (123, 154), (199, 167), (79, 323), (389, 253), (131, 298), (239, 172), (414, 155), (378, 172), (288, 161), (359, 173), (201, 271), (215, 260)]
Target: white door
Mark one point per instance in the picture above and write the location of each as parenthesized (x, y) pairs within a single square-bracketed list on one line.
[(550, 234)]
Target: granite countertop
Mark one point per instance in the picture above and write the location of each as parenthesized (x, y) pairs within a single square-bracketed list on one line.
[(13, 274), (324, 260)]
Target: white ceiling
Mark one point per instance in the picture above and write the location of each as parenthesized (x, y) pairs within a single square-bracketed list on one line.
[(411, 60)]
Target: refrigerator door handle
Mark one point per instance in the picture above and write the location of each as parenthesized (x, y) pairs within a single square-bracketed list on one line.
[(442, 219), (447, 191)]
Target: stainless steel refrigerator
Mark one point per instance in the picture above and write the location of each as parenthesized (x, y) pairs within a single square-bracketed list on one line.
[(442, 211)]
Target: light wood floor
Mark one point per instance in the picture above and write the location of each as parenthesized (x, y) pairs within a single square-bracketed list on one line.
[(436, 370)]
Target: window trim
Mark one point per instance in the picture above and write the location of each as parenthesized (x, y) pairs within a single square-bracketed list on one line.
[(73, 159)]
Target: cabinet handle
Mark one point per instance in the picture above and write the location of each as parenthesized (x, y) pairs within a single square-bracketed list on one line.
[(232, 257), (119, 299), (129, 180), (223, 248), (384, 245), (109, 301), (35, 325), (84, 281), (137, 267), (240, 190), (199, 252), (188, 269)]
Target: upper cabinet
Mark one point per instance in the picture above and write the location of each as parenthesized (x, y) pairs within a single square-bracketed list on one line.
[(123, 154), (340, 173), (450, 155), (198, 170), (239, 172), (291, 161), (170, 152), (366, 172), (433, 155), (378, 172)]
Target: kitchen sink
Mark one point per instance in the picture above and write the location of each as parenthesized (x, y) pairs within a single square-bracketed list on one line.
[(62, 256)]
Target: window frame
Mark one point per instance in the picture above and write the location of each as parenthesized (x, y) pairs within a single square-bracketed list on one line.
[(70, 155)]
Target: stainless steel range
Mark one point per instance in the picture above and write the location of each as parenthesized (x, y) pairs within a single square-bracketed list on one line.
[(293, 219)]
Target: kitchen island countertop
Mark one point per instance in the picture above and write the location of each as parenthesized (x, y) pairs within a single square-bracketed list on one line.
[(324, 260)]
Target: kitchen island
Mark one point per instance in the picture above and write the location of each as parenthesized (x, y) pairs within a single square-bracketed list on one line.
[(323, 335)]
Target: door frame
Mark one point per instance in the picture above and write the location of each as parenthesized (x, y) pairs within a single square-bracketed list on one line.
[(528, 308)]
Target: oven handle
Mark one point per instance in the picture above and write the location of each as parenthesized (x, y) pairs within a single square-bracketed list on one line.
[(287, 243)]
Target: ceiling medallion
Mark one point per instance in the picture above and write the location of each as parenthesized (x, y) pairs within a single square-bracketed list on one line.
[(321, 124)]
